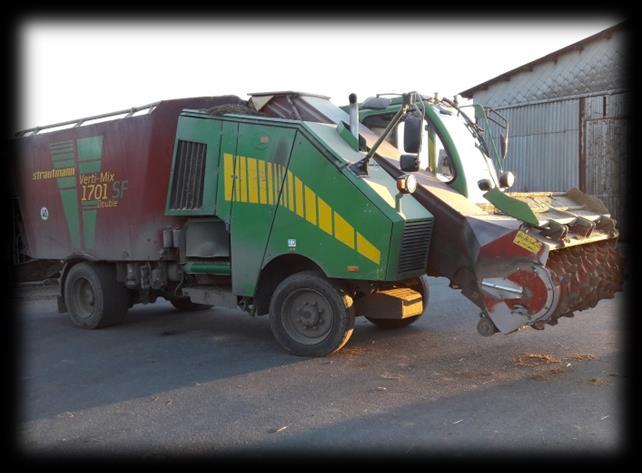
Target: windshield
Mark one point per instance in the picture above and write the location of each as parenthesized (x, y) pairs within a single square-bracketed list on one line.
[(489, 128), (475, 162)]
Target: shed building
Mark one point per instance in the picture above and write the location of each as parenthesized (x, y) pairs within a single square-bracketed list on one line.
[(568, 118)]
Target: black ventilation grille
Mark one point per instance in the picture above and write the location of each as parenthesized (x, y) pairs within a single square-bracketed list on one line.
[(413, 257), (189, 176)]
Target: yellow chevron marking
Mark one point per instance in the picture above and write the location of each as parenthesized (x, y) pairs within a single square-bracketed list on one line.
[(228, 175), (266, 179), (343, 231), (290, 190), (246, 179), (237, 173), (325, 216), (253, 194), (242, 182), (311, 206), (299, 196), (367, 249)]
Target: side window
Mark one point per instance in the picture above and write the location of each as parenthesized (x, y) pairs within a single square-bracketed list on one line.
[(440, 163)]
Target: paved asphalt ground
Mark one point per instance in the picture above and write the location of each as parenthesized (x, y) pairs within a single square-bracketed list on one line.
[(215, 381)]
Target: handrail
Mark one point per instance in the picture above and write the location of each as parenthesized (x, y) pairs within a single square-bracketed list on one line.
[(79, 121)]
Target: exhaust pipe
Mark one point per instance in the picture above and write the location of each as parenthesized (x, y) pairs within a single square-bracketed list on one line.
[(354, 115)]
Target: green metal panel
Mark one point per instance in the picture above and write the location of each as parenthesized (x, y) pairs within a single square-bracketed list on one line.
[(260, 166), (225, 190), (331, 222), (207, 132), (459, 182), (511, 206), (379, 189), (199, 267)]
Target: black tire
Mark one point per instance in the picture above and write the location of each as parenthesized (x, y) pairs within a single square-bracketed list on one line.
[(185, 305), (309, 317), (391, 324), (94, 298)]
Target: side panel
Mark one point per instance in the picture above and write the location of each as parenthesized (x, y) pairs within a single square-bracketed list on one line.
[(229, 141), (259, 169), (195, 165), (326, 218)]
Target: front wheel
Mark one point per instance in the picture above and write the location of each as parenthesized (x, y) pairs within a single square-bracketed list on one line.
[(94, 297), (309, 317)]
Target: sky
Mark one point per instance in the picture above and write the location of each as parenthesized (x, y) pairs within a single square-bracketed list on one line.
[(73, 69)]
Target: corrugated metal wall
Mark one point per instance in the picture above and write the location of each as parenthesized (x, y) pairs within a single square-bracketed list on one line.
[(543, 145), (607, 152)]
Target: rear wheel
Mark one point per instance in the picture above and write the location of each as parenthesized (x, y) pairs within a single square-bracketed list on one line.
[(309, 317), (94, 297)]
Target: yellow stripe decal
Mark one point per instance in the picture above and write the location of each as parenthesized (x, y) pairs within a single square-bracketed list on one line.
[(228, 173), (325, 216), (284, 188), (367, 249), (243, 178), (311, 206), (237, 173), (262, 183), (299, 196), (343, 231), (252, 182)]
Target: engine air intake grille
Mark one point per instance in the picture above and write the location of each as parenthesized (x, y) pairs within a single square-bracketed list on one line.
[(189, 176), (414, 248)]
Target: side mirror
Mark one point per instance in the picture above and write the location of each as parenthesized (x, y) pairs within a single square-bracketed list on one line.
[(409, 162), (504, 145), (506, 180), (412, 132), (485, 184)]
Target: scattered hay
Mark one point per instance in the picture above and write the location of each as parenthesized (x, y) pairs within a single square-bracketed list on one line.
[(535, 359), (582, 357)]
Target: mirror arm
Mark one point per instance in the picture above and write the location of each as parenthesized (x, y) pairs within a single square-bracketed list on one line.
[(361, 166)]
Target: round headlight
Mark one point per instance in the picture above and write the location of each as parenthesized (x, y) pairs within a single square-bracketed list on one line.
[(407, 183), (411, 183), (506, 180)]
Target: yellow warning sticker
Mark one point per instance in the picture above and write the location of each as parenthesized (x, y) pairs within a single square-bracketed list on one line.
[(527, 242)]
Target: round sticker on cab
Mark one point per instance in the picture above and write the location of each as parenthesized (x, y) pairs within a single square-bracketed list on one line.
[(44, 213)]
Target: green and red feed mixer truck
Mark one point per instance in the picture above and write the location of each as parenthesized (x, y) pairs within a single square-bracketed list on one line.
[(286, 205)]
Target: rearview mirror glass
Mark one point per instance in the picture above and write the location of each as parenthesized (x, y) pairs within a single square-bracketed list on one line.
[(412, 133), (504, 145)]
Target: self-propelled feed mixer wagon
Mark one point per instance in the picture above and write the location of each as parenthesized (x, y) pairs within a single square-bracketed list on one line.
[(282, 205)]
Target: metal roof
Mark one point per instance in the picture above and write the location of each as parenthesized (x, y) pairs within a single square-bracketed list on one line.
[(578, 46)]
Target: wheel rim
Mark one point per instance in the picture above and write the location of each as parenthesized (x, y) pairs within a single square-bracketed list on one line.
[(307, 316), (85, 298)]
